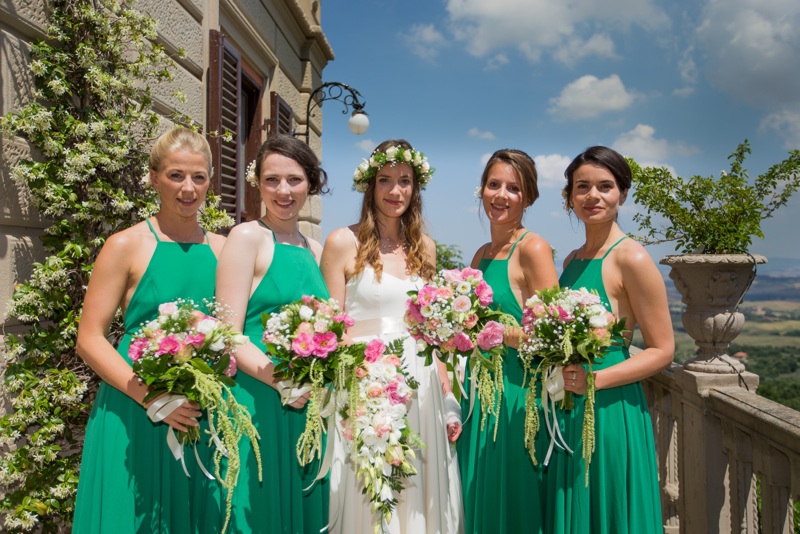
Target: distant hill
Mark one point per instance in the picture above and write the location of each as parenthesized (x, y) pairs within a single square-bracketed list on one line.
[(778, 279)]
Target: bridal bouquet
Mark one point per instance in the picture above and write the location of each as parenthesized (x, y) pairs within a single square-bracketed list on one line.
[(451, 317), (375, 425), (305, 339), (190, 354), (564, 327)]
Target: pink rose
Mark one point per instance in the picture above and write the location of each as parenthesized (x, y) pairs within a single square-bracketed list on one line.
[(449, 345), (374, 350), (601, 334), (564, 316), (324, 344), (196, 340), (345, 319), (394, 396), (484, 293), (471, 321), (168, 345), (168, 308), (392, 359), (426, 295), (468, 273), (360, 372), (136, 348), (444, 293), (452, 275), (413, 310), (462, 304), (304, 328), (374, 391), (463, 343), (307, 299), (303, 345), (491, 336)]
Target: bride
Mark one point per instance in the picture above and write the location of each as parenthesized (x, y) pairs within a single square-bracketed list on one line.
[(369, 267)]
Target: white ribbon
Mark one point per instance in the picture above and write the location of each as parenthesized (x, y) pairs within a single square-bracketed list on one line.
[(452, 409), (327, 460), (553, 391), (289, 393), (160, 410)]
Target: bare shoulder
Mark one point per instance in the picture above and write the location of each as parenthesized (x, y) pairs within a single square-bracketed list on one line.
[(430, 245), (341, 241), (246, 233), (631, 256), (476, 258), (534, 246), (129, 241)]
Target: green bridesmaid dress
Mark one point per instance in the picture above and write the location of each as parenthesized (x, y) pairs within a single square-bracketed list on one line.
[(623, 492), (129, 480), (280, 502), (503, 489)]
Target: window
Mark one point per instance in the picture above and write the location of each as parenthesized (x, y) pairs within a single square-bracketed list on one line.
[(235, 93)]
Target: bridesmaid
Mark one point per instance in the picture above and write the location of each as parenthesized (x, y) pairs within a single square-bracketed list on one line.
[(503, 490), (265, 264), (370, 267), (129, 480), (623, 493)]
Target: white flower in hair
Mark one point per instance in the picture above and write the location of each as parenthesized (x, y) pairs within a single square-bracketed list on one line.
[(250, 175), (367, 169)]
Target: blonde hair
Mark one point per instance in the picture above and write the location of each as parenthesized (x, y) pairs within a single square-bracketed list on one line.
[(411, 224), (179, 138)]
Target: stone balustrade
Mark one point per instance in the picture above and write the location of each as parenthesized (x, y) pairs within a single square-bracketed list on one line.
[(718, 442)]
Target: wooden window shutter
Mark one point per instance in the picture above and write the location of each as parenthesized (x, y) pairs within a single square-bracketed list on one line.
[(281, 115), (234, 107)]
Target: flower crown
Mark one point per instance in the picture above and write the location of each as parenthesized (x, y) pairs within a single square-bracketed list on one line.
[(393, 155)]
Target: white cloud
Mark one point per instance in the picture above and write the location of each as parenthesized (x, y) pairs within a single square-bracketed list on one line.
[(496, 62), (753, 50), (425, 41), (475, 132), (550, 168), (588, 96), (599, 45), (366, 145), (786, 123), (642, 145), (683, 91), (537, 27)]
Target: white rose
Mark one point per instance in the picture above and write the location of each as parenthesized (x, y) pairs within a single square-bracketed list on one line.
[(391, 152), (218, 345), (407, 155), (305, 313), (206, 326), (240, 339), (364, 166), (421, 345)]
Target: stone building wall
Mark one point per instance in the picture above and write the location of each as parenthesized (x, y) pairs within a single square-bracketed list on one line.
[(281, 41)]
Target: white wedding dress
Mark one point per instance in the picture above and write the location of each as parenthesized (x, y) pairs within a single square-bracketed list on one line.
[(431, 500)]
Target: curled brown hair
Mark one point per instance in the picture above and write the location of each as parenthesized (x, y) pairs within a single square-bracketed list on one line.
[(411, 224)]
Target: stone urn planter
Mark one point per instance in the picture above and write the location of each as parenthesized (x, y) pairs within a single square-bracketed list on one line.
[(712, 286)]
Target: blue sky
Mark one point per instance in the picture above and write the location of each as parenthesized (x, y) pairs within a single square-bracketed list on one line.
[(676, 83)]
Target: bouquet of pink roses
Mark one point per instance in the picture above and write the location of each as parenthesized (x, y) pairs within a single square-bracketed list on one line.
[(190, 354), (564, 327), (375, 425), (451, 317), (305, 340)]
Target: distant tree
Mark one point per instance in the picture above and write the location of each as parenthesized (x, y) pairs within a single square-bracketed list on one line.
[(448, 257)]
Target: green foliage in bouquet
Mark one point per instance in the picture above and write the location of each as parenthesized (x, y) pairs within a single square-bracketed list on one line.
[(709, 215), (89, 126)]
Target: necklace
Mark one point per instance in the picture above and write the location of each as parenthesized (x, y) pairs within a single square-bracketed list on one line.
[(389, 245), (491, 254)]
